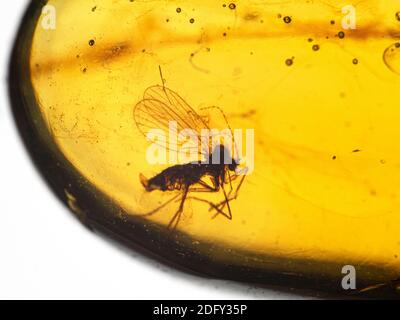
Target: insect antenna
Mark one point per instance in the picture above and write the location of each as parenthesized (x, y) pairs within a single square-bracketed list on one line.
[(161, 76), (163, 81)]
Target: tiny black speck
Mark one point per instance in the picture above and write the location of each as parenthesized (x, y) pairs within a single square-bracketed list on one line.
[(287, 19)]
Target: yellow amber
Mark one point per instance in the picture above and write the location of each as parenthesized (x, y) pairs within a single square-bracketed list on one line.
[(323, 101)]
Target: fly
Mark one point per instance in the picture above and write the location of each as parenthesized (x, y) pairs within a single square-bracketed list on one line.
[(161, 105)]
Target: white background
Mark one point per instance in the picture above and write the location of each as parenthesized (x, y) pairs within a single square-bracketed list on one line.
[(46, 254)]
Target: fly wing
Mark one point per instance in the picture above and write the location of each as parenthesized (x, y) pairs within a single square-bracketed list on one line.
[(161, 106)]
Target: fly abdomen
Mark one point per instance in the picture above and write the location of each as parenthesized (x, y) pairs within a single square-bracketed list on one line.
[(174, 178)]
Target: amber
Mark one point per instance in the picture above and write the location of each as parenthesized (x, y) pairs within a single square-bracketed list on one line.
[(318, 81)]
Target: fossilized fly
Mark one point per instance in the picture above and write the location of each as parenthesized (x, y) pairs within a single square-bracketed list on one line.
[(159, 106)]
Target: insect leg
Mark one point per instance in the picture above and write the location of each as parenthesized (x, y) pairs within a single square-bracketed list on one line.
[(160, 207), (177, 216), (206, 187), (230, 181), (230, 198), (212, 205), (238, 188), (226, 202)]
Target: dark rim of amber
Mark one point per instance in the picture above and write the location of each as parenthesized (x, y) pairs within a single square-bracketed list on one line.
[(100, 213)]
